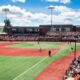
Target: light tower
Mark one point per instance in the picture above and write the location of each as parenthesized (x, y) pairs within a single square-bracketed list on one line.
[(7, 27), (5, 10), (51, 8)]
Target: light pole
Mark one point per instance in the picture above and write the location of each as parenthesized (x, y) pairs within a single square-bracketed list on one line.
[(5, 10), (51, 8)]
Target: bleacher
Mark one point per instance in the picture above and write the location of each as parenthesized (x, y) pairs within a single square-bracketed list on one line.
[(57, 36), (73, 72)]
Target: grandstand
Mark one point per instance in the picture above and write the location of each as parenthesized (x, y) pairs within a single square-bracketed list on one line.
[(60, 32), (73, 72), (64, 32)]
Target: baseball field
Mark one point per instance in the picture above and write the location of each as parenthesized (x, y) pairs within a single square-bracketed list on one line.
[(30, 60)]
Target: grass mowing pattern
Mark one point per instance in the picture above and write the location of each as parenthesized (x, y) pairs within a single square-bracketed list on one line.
[(11, 67), (44, 45)]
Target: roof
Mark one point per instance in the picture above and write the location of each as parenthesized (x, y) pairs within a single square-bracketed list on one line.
[(25, 26), (58, 25)]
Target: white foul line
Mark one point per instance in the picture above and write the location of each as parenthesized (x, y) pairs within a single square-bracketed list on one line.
[(29, 69)]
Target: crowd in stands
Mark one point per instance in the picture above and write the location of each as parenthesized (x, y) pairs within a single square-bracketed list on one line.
[(73, 72), (52, 36), (18, 38), (26, 38), (63, 33)]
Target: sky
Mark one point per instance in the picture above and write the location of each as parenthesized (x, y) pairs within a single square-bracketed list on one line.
[(37, 12)]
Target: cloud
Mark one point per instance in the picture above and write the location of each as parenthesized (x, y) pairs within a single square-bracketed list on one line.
[(65, 1), (21, 17), (1, 24), (52, 0), (13, 9), (62, 9), (61, 1), (23, 1)]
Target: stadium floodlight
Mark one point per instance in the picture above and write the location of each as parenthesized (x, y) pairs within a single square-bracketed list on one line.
[(51, 8), (6, 10)]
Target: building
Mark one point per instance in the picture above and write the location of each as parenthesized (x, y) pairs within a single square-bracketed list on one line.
[(25, 30), (44, 29), (38, 30)]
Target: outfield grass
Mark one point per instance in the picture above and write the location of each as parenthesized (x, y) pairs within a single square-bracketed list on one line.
[(11, 67), (44, 45)]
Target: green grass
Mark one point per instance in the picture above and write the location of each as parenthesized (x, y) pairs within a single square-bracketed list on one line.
[(44, 45), (73, 46), (11, 67)]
